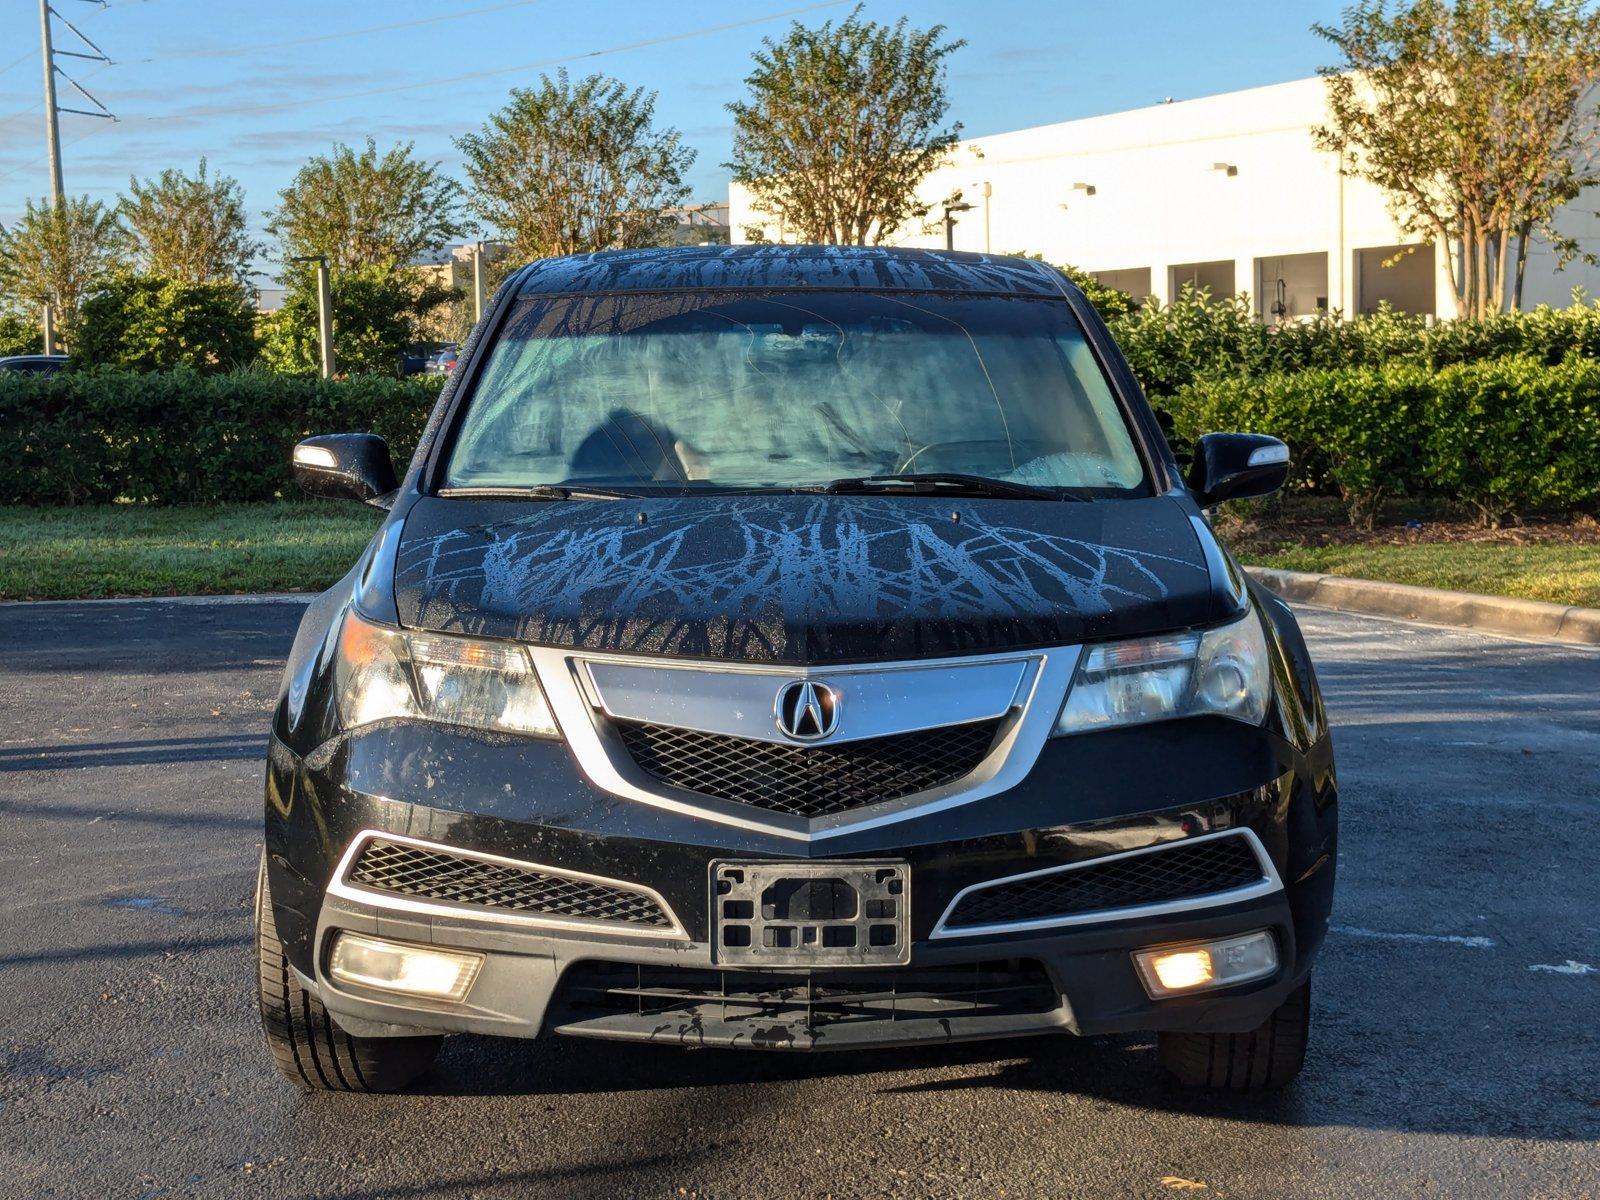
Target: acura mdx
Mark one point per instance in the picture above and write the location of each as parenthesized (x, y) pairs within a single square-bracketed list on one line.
[(794, 648)]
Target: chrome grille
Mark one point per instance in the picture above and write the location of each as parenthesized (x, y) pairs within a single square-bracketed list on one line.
[(1180, 872), (424, 874), (807, 781)]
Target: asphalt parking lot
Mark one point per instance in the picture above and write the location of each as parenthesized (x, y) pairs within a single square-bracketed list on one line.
[(1456, 1047)]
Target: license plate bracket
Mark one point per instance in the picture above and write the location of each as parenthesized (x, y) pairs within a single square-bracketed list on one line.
[(822, 914)]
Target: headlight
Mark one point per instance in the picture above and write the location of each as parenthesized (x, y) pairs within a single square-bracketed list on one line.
[(1222, 671), (382, 673)]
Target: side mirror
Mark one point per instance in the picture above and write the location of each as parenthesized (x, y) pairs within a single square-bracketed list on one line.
[(1237, 466), (345, 466)]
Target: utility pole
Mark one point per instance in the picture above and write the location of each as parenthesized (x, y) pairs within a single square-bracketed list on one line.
[(52, 119), (52, 134), (324, 311)]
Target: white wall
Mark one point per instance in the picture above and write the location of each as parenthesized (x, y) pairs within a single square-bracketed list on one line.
[(1162, 196)]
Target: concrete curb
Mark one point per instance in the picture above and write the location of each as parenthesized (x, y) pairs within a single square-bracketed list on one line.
[(1466, 610)]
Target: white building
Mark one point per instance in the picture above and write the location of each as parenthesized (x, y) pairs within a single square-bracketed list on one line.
[(1227, 192)]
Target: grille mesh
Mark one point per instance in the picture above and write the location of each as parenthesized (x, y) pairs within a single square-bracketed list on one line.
[(1179, 873), (434, 875), (807, 781)]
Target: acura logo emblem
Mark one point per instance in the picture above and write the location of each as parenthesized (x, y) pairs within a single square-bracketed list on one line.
[(806, 711)]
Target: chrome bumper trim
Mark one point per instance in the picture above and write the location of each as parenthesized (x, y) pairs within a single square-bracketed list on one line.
[(341, 887), (1270, 883)]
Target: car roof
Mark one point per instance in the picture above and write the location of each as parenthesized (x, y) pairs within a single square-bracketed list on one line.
[(34, 358), (718, 268)]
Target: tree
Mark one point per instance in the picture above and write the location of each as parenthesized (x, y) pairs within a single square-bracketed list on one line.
[(842, 125), (152, 323), (55, 255), (377, 313), (367, 210), (189, 228), (1476, 117), (571, 167), (19, 334), (1109, 302)]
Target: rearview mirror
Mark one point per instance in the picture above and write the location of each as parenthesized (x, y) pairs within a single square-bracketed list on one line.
[(1237, 466), (345, 466)]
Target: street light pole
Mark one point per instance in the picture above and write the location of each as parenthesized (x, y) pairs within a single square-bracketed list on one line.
[(477, 282), (324, 311), (325, 316), (950, 223)]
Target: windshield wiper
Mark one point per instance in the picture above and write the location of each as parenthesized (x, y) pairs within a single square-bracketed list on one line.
[(945, 483), (536, 491)]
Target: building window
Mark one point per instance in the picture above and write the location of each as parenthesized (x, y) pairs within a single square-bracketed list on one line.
[(1214, 277), (1134, 280), (1407, 283), (1291, 287)]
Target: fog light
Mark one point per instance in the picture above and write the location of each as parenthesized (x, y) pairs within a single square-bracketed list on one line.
[(1205, 965), (400, 967)]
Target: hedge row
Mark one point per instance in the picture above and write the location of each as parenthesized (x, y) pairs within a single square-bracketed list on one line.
[(1509, 436), (1172, 346), (177, 437)]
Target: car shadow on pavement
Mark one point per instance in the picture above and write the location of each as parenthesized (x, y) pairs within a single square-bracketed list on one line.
[(143, 752), (114, 951), (1377, 1061)]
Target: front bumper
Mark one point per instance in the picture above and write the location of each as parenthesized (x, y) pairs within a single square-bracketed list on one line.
[(537, 983), (466, 791)]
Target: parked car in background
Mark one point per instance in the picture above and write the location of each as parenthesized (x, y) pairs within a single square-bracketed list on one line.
[(443, 361), (794, 648), (35, 364)]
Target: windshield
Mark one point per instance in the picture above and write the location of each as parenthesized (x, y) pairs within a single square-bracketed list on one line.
[(791, 389)]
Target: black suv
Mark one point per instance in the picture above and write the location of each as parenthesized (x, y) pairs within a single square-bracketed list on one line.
[(795, 648)]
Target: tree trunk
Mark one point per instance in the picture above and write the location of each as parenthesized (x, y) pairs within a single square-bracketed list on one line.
[(1469, 271), (1522, 264), (1502, 263), (1455, 256), (1480, 272)]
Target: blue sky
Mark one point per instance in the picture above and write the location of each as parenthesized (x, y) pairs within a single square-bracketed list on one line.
[(257, 88)]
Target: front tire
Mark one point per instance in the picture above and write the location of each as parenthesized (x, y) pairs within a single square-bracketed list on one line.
[(1266, 1058), (307, 1044)]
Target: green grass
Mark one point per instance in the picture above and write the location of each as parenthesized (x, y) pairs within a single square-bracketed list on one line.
[(137, 550), (1563, 573)]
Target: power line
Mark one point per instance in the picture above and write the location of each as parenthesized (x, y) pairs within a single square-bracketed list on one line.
[(52, 107), (34, 162), (235, 51), (22, 58), (38, 104), (467, 77), (549, 62)]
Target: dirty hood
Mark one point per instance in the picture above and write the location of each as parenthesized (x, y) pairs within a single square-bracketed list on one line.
[(803, 579)]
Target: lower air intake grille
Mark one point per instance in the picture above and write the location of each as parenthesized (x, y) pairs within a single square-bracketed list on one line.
[(426, 874), (1180, 872), (808, 999), (807, 781)]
